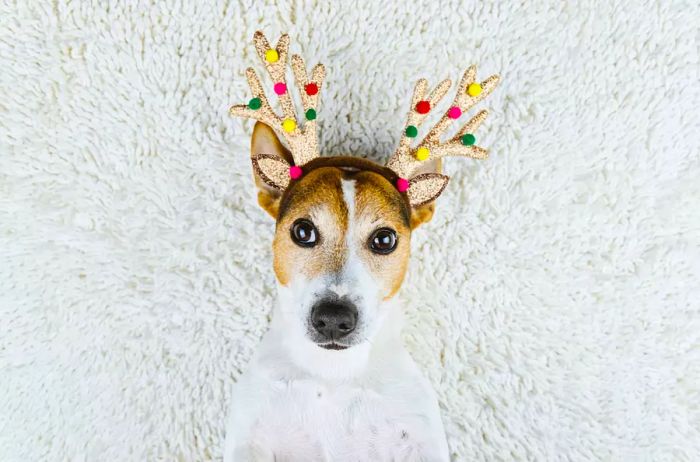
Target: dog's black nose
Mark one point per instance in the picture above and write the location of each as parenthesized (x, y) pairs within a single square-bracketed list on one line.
[(333, 319)]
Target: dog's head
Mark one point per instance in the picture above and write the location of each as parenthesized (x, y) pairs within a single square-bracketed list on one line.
[(341, 245), (344, 224)]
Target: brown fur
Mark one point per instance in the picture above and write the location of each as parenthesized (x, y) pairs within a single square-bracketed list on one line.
[(318, 197), (265, 141), (377, 206)]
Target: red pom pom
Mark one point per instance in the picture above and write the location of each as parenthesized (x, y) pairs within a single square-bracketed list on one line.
[(311, 89), (423, 107), (402, 185), (295, 172)]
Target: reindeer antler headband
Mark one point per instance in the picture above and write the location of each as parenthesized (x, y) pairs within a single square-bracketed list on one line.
[(303, 143)]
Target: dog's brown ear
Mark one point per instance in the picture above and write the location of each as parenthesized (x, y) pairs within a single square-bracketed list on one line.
[(271, 163), (422, 206)]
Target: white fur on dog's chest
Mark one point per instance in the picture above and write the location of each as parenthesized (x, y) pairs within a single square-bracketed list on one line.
[(337, 423), (368, 404)]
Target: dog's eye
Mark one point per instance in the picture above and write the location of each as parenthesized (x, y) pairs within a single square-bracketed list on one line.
[(304, 233), (383, 241)]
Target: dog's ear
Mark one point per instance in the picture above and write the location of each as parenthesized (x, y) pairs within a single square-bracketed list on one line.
[(426, 186), (271, 162)]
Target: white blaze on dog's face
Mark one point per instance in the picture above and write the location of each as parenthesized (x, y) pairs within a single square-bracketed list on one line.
[(341, 249)]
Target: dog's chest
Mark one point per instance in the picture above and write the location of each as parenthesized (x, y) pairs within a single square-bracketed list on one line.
[(303, 419)]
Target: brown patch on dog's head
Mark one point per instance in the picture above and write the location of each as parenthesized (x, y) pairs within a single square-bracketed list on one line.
[(379, 205), (317, 197), (345, 226), (265, 143)]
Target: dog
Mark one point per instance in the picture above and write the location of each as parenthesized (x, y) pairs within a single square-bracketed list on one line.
[(331, 379)]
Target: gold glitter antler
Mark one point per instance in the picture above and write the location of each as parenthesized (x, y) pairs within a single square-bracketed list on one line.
[(406, 160), (301, 141)]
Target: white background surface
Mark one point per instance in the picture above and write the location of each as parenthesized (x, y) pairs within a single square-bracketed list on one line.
[(553, 301)]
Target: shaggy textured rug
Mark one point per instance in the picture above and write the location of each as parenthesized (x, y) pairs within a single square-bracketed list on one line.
[(553, 301)]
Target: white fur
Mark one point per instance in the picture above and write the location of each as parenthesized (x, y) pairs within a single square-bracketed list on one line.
[(348, 187), (299, 402), (552, 302)]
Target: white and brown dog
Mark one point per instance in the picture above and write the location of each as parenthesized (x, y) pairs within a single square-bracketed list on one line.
[(331, 379)]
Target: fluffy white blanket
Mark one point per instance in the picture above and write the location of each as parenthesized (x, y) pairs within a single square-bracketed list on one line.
[(553, 301)]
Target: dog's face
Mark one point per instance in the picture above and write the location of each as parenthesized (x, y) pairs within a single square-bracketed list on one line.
[(341, 249)]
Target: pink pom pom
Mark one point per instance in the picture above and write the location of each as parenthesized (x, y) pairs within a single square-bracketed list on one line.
[(295, 172), (454, 112), (402, 185), (280, 88)]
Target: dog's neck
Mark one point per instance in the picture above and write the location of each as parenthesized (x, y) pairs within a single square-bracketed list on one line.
[(296, 357)]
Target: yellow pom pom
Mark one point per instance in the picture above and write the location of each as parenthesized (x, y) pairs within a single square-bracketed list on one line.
[(289, 125), (271, 56), (422, 154), (474, 89)]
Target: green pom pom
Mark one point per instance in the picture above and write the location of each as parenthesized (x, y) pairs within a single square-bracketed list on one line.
[(468, 139), (411, 131), (311, 114), (254, 104)]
